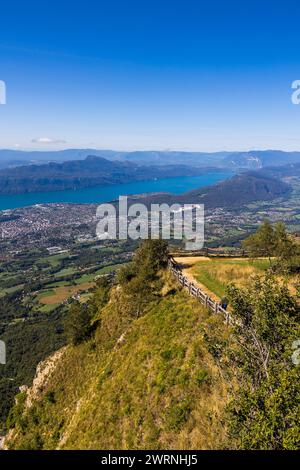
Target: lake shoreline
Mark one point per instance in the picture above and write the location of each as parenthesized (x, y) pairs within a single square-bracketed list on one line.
[(109, 193)]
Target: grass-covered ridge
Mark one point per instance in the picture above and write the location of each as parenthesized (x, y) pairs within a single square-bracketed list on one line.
[(148, 367), (147, 382)]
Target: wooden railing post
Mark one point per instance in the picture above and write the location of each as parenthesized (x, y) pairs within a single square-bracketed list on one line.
[(209, 303)]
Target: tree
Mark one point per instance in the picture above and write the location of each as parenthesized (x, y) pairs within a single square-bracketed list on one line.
[(126, 273), (268, 420), (266, 409), (285, 249), (149, 258), (140, 278), (78, 323), (100, 296), (271, 241), (261, 243), (152, 255)]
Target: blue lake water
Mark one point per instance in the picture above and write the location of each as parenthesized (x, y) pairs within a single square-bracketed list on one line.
[(108, 193)]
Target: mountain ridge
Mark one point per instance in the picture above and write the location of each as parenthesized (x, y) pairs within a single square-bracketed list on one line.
[(234, 192), (90, 172), (233, 159)]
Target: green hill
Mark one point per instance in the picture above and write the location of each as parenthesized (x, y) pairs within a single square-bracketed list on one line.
[(141, 383), (148, 367)]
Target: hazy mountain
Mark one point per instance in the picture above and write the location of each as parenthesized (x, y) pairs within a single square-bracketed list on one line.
[(19, 157), (172, 158), (260, 159), (77, 174), (235, 160)]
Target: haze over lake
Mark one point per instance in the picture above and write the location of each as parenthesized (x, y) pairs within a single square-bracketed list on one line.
[(100, 194)]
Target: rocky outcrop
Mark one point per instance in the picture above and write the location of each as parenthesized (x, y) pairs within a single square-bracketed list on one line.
[(43, 373)]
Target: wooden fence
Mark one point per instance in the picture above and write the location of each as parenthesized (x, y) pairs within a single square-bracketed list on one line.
[(213, 252), (204, 299)]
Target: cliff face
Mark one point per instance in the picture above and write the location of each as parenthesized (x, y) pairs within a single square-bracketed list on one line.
[(138, 383), (29, 395)]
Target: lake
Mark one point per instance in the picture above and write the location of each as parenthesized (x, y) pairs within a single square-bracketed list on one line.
[(100, 194)]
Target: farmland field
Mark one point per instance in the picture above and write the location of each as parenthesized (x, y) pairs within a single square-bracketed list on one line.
[(59, 294)]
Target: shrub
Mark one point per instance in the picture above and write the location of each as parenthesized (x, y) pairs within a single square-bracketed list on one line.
[(202, 377), (178, 414), (78, 324), (50, 396)]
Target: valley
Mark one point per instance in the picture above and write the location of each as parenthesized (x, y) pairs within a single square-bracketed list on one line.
[(51, 258)]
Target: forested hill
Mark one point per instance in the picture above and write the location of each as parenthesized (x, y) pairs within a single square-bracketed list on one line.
[(234, 192), (240, 189), (79, 174)]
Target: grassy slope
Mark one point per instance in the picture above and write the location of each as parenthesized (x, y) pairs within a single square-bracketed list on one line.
[(216, 274), (158, 388)]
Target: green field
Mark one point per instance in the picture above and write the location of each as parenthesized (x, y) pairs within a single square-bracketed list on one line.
[(56, 292)]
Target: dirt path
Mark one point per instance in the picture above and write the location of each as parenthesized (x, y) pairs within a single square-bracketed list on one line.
[(187, 264)]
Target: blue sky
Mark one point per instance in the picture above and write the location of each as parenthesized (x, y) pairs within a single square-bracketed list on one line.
[(187, 75)]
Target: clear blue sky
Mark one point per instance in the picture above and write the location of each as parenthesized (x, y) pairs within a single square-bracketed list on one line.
[(148, 74)]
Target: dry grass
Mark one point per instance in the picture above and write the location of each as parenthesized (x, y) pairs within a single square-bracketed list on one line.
[(214, 274)]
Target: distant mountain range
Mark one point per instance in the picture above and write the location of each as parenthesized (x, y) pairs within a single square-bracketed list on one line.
[(122, 167), (90, 172), (235, 160), (260, 159), (12, 158)]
